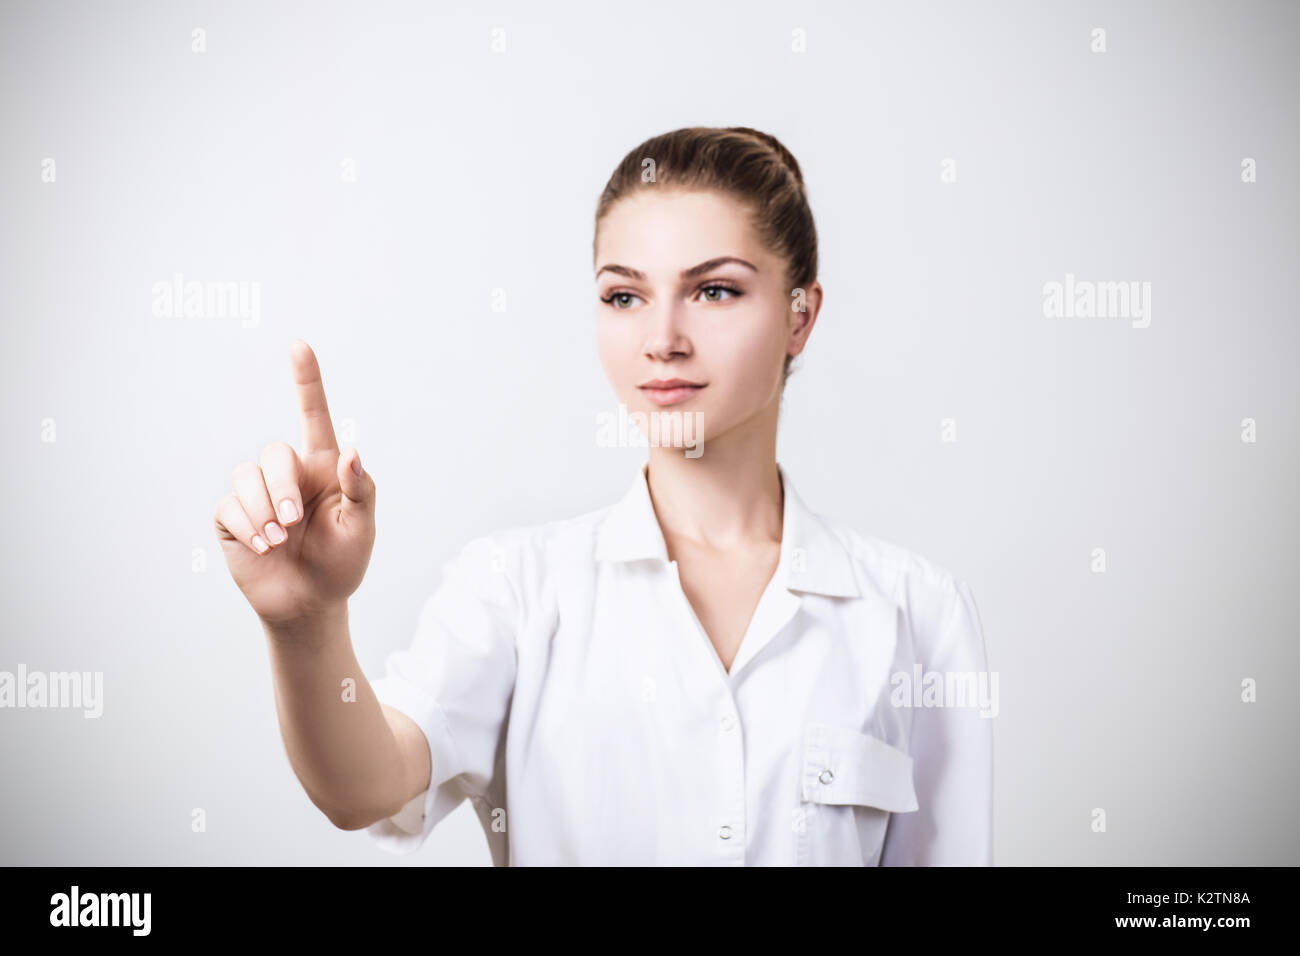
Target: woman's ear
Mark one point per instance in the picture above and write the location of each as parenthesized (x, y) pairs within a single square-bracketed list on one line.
[(805, 304)]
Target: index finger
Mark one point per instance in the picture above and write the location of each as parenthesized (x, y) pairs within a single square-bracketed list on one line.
[(317, 429)]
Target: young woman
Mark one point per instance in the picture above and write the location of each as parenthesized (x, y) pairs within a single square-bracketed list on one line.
[(705, 672)]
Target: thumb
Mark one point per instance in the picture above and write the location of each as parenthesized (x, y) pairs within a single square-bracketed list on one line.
[(358, 489)]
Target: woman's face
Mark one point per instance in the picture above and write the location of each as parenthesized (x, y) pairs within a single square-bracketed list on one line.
[(670, 308)]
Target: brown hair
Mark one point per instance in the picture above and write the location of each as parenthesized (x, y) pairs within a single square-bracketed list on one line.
[(744, 163)]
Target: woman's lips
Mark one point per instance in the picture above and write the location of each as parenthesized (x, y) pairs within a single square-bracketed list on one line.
[(669, 394)]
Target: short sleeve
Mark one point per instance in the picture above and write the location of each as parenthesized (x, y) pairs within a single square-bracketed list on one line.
[(455, 680), (951, 748)]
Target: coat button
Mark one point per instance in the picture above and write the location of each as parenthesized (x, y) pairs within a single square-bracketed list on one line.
[(726, 723), (826, 776), (724, 832)]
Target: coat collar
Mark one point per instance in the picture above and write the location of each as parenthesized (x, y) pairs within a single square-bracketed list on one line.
[(812, 557)]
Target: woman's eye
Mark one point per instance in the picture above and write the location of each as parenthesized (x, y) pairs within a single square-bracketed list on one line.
[(734, 293), (619, 297)]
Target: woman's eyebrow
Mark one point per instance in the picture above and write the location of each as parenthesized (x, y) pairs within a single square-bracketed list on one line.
[(690, 273)]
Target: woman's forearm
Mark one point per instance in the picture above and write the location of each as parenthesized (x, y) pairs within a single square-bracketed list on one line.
[(338, 738)]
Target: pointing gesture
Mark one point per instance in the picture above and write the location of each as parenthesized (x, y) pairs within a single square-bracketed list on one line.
[(297, 531), (317, 429)]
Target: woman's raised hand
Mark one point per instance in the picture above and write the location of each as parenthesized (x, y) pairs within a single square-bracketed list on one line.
[(297, 531)]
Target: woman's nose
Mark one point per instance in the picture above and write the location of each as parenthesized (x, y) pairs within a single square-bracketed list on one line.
[(665, 332)]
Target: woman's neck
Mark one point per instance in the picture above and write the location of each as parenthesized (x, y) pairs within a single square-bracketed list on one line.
[(730, 497)]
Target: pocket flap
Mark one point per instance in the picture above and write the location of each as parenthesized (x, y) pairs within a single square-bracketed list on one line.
[(842, 765)]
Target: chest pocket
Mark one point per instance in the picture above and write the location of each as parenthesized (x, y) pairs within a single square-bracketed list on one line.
[(849, 784)]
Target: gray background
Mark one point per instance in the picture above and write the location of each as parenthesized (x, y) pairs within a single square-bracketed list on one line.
[(478, 171)]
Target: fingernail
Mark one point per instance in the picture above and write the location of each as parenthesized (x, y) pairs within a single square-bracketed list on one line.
[(356, 466), (288, 511), (259, 545), (274, 533)]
